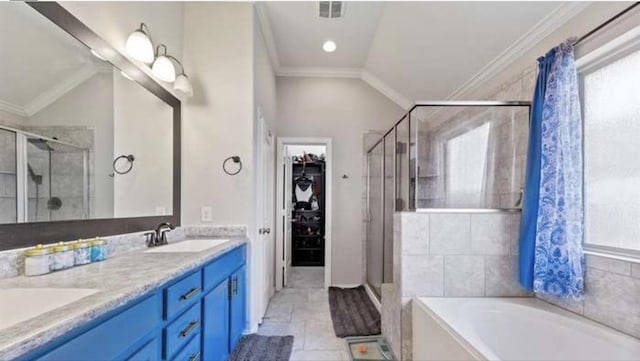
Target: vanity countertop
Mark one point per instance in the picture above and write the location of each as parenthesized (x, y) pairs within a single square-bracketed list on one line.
[(118, 281)]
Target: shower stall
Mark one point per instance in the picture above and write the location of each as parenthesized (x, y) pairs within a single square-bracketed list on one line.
[(42, 178), (442, 156)]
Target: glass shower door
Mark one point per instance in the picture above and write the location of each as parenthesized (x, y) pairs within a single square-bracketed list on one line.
[(389, 205), (8, 178), (375, 218)]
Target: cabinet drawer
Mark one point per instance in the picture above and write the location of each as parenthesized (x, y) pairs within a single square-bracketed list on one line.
[(191, 352), (111, 338), (218, 270), (182, 294), (149, 352), (182, 330)]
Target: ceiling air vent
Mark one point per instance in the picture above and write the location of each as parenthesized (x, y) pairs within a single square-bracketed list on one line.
[(331, 9)]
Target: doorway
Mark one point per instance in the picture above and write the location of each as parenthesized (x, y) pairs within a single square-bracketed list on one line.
[(304, 207)]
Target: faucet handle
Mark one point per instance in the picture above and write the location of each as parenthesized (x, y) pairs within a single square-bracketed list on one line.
[(151, 238)]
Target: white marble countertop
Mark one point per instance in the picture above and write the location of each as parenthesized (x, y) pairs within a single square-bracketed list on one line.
[(119, 280)]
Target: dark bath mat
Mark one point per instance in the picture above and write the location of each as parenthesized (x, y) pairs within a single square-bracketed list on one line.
[(262, 348), (353, 313)]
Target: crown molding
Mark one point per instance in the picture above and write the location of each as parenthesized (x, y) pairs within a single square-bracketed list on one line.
[(391, 93), (12, 108), (352, 73), (545, 27), (267, 34), (319, 72), (61, 88)]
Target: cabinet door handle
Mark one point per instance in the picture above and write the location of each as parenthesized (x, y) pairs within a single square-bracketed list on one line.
[(192, 292), (194, 357), (192, 326), (234, 285)]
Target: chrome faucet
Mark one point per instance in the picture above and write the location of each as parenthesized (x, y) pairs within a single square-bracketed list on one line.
[(158, 237)]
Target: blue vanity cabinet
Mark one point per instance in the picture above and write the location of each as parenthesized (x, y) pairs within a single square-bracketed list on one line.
[(115, 338), (198, 316), (215, 327), (238, 305)]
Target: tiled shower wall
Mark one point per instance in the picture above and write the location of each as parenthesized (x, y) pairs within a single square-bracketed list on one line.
[(448, 255), (612, 294)]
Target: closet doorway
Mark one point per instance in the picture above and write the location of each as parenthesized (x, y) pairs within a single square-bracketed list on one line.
[(304, 206)]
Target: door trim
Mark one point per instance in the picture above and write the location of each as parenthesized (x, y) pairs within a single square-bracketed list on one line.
[(282, 142)]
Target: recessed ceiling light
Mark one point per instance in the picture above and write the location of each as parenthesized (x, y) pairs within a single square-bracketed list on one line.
[(329, 46)]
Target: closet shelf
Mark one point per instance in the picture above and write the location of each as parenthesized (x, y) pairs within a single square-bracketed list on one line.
[(310, 223)]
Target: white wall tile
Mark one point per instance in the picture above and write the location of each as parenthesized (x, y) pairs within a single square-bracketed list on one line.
[(491, 234), (415, 228), (501, 277), (609, 264), (635, 270), (613, 299), (463, 276), (422, 276), (449, 233)]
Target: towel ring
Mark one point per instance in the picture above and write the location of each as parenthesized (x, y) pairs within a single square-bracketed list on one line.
[(130, 158), (235, 159)]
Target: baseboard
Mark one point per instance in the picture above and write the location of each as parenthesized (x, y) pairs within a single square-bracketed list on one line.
[(352, 285), (374, 299)]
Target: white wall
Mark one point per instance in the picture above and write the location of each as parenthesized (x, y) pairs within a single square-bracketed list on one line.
[(218, 120), (142, 126), (340, 109)]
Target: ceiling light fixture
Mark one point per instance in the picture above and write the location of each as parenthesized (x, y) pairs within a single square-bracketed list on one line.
[(162, 67), (329, 46), (139, 45)]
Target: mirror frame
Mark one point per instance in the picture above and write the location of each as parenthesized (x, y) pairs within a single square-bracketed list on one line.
[(18, 235)]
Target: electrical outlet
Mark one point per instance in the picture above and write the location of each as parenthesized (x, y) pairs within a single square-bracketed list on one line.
[(206, 214)]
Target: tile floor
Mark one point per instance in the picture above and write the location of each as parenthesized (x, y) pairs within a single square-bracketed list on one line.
[(302, 309)]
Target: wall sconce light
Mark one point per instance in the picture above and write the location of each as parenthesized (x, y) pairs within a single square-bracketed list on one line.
[(139, 45), (182, 84), (162, 67)]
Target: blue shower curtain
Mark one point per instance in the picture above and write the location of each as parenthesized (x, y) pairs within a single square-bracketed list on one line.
[(551, 231)]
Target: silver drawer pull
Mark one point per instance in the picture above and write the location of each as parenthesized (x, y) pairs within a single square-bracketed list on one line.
[(194, 357), (192, 326), (192, 292)]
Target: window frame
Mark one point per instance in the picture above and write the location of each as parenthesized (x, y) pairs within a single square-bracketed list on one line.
[(611, 51)]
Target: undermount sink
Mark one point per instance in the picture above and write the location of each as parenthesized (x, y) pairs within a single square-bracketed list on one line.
[(20, 304), (189, 246)]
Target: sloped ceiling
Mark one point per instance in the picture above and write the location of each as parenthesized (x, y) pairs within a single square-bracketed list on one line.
[(37, 58), (410, 51)]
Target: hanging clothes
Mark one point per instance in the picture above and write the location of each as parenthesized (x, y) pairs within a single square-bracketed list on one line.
[(304, 191), (551, 234)]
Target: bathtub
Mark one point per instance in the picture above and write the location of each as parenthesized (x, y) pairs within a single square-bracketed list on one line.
[(511, 329)]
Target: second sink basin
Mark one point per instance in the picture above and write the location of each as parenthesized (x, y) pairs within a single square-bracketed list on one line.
[(189, 246), (20, 304)]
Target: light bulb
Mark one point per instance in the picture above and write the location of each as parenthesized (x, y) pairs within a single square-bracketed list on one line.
[(139, 47), (163, 69), (329, 46), (183, 85)]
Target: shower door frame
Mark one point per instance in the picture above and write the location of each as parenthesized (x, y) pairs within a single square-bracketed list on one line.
[(412, 201)]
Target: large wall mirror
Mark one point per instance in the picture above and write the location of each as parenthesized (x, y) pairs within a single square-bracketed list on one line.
[(87, 139)]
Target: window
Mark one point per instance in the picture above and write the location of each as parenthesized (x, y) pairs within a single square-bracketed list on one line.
[(610, 83), (466, 160)]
